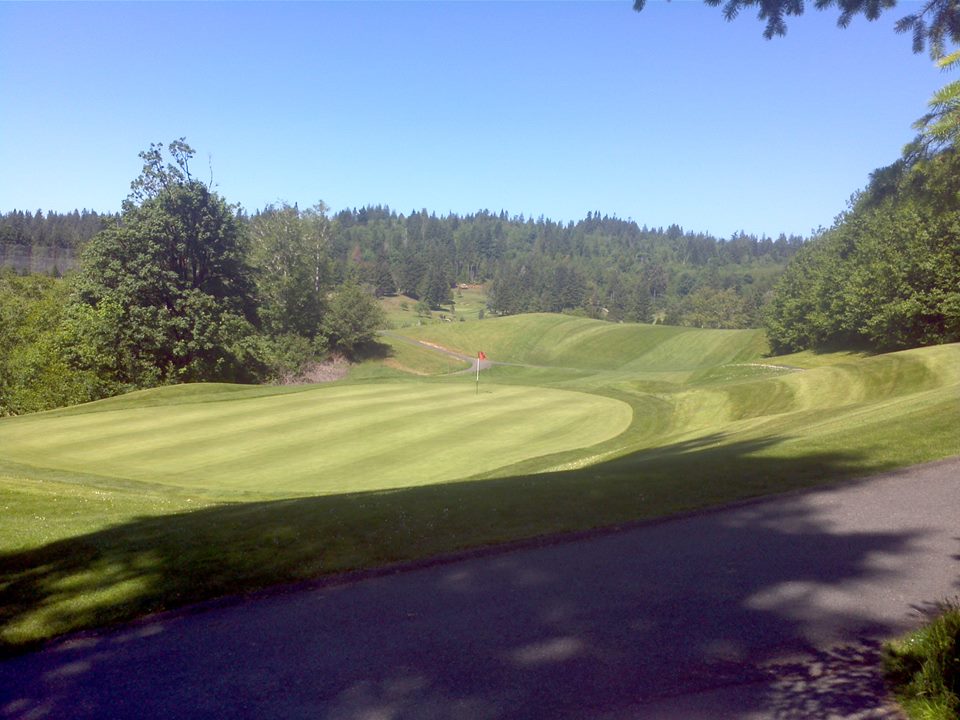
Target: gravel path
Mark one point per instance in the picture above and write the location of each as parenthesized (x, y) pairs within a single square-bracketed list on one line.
[(472, 359), (773, 609)]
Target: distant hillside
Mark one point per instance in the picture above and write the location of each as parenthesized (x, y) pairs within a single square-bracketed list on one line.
[(564, 341), (47, 243)]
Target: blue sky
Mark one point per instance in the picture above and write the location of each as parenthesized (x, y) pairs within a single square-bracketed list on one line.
[(668, 116)]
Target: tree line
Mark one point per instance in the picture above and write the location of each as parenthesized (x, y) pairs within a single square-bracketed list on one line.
[(886, 276), (48, 242), (168, 292), (600, 266)]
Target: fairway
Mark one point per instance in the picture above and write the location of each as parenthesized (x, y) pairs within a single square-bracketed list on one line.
[(321, 440), (563, 341), (167, 496)]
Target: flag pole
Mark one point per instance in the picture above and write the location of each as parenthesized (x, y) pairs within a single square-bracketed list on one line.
[(478, 372)]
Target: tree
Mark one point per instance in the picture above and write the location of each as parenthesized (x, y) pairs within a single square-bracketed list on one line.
[(353, 318), (936, 24), (435, 286), (710, 308), (167, 291), (886, 276), (940, 127), (291, 272), (35, 373)]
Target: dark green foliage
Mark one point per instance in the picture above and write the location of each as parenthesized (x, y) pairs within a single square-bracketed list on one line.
[(352, 319), (434, 286), (924, 668), (51, 230), (293, 270), (167, 295), (887, 276), (304, 312), (46, 243), (600, 266), (935, 25)]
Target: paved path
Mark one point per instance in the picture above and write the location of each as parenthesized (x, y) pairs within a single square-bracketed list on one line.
[(767, 610)]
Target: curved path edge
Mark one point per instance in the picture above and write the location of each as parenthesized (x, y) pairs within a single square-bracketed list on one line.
[(772, 608)]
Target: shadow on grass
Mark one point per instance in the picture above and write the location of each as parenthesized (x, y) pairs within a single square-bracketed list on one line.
[(572, 630), (160, 562), (372, 350)]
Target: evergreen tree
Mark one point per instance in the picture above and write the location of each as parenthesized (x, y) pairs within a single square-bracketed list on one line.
[(935, 25)]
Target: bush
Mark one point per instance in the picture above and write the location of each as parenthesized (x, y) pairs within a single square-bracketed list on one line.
[(352, 320)]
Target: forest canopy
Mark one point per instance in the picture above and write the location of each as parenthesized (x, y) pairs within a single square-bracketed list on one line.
[(887, 275)]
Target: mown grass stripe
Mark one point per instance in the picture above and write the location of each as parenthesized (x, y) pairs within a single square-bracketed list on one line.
[(196, 424), (281, 427), (285, 443)]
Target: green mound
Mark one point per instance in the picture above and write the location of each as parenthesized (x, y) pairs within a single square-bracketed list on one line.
[(331, 439), (902, 407), (571, 342)]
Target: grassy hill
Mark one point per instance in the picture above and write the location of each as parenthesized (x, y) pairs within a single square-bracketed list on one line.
[(173, 495), (572, 342)]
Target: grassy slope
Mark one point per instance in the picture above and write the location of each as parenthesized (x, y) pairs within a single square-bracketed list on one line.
[(713, 421), (401, 310), (571, 342), (410, 358)]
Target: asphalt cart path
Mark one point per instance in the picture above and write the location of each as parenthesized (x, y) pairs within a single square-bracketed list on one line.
[(772, 609)]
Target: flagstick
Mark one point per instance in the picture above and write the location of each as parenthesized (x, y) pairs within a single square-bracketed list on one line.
[(478, 375)]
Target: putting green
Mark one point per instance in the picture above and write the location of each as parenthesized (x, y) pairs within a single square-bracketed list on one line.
[(329, 439)]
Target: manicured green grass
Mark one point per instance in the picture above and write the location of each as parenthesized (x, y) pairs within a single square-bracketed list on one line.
[(333, 439), (572, 342), (169, 496), (924, 668)]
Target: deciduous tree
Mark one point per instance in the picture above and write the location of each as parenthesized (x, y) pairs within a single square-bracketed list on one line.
[(170, 284), (353, 318)]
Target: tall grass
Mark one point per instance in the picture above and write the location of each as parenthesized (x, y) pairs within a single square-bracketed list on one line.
[(924, 668)]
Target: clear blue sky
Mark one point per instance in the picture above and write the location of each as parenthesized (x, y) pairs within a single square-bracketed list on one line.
[(668, 116)]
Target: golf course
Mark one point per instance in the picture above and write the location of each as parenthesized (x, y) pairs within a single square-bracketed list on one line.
[(179, 494)]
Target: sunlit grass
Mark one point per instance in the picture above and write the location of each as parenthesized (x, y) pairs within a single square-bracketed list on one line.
[(169, 496), (325, 439)]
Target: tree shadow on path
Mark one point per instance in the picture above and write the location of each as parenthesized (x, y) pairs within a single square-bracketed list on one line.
[(753, 598)]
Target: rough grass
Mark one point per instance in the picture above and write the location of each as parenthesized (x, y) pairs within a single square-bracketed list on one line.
[(923, 668), (416, 360), (401, 312), (169, 496)]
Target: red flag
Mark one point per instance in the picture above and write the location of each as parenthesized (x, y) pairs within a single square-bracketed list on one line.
[(481, 355)]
